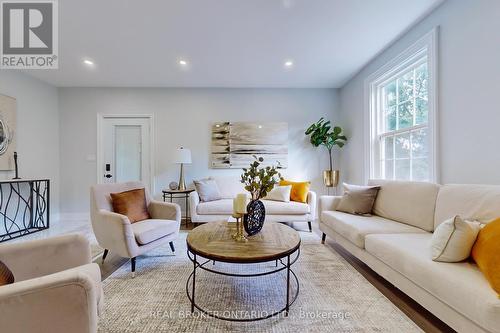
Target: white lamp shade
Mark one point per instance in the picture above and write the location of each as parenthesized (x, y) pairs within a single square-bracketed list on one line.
[(182, 155)]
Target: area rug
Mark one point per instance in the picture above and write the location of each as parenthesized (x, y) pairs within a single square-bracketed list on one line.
[(333, 296)]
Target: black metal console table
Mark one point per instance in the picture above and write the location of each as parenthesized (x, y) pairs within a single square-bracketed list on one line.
[(24, 207)]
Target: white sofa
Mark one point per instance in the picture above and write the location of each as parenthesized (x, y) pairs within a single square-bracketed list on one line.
[(222, 209), (395, 243)]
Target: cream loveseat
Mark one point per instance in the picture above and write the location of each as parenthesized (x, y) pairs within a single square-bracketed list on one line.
[(276, 211), (395, 243)]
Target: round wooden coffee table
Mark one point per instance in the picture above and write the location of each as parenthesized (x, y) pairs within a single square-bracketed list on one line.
[(212, 242)]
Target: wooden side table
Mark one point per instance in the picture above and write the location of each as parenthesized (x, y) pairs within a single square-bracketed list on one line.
[(179, 194)]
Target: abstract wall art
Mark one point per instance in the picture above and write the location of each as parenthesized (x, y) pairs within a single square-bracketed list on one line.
[(7, 132), (234, 143)]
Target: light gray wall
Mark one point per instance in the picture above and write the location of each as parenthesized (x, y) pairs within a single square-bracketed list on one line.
[(183, 117), (37, 129), (469, 90)]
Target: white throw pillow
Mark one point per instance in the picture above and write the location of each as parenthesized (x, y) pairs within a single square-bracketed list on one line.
[(453, 239), (280, 193), (207, 190)]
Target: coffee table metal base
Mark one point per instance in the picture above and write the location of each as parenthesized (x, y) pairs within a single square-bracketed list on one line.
[(290, 259)]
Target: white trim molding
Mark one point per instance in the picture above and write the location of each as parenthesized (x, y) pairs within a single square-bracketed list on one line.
[(152, 166), (425, 46)]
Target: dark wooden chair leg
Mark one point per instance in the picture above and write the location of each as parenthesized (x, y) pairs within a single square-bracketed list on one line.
[(132, 262), (310, 226), (172, 246), (104, 254), (323, 238)]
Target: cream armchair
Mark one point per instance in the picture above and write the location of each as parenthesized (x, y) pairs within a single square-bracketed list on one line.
[(115, 233), (57, 288)]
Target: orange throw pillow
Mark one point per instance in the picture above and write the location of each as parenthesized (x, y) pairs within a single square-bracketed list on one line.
[(132, 204), (6, 276), (299, 190), (486, 253)]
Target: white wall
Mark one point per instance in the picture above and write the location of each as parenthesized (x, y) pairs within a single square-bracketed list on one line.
[(37, 129), (469, 90), (183, 117)]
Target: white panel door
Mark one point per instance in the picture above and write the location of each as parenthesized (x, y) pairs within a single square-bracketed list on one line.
[(125, 150)]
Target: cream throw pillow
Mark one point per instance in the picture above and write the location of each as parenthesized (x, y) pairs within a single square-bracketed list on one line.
[(207, 190), (358, 199), (280, 193), (453, 239)]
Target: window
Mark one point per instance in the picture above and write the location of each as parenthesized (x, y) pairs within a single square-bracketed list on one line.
[(401, 116)]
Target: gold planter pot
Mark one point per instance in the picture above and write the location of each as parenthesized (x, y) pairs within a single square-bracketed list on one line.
[(331, 178)]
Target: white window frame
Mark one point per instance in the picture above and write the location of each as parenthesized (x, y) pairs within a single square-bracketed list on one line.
[(427, 45)]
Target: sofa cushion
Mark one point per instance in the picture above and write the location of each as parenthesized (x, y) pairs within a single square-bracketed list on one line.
[(229, 187), (299, 190), (131, 203), (280, 193), (452, 240), (358, 199), (407, 202), (225, 206), (147, 231), (486, 253), (356, 227), (6, 276), (207, 189), (472, 202), (285, 208), (217, 207), (460, 285)]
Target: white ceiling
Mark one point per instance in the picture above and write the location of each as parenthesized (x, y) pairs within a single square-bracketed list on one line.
[(227, 43)]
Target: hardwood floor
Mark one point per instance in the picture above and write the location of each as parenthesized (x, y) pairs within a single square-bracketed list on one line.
[(417, 313)]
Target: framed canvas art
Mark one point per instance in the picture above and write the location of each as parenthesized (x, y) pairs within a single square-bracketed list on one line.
[(7, 132), (235, 143)]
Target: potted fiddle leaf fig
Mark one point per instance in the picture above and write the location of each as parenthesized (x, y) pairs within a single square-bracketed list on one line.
[(259, 181), (323, 133)]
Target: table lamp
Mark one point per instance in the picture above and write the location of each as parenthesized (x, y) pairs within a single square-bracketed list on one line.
[(182, 156)]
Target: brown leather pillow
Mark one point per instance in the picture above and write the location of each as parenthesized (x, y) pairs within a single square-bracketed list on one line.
[(6, 276), (132, 204)]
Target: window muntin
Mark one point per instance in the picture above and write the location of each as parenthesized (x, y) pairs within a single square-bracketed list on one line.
[(403, 121)]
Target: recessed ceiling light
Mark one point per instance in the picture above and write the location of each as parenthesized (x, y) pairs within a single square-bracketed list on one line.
[(288, 63), (183, 62), (88, 62)]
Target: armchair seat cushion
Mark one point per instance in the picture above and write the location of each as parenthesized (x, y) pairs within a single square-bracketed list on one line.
[(148, 231)]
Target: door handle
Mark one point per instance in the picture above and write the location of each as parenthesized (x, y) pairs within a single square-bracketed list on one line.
[(108, 175)]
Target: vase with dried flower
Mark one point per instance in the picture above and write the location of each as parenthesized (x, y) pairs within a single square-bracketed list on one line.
[(258, 181)]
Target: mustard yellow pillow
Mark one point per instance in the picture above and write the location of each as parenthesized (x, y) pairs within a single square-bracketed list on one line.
[(485, 253), (299, 190)]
